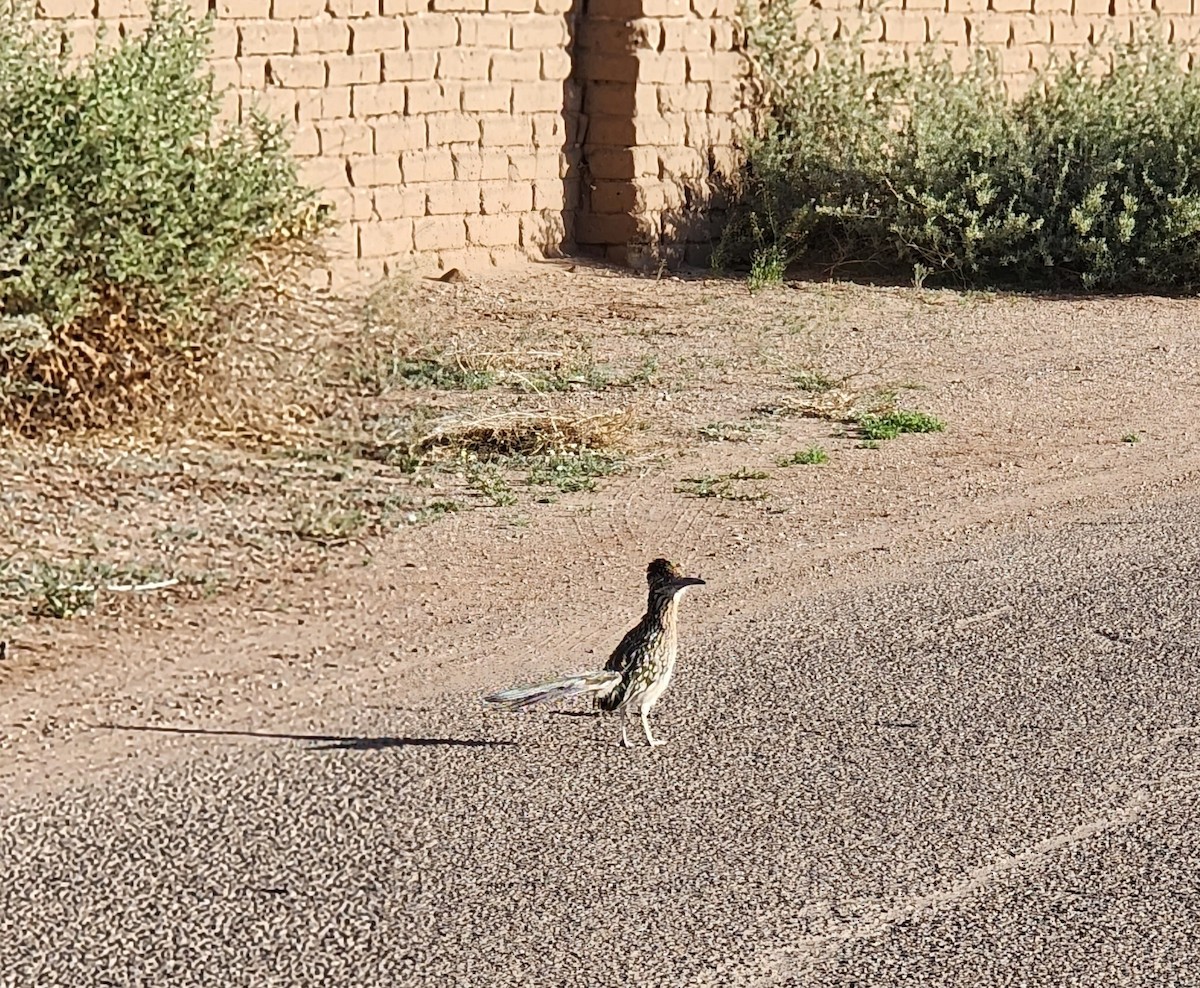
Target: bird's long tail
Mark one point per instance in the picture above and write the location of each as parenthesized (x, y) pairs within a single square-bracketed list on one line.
[(518, 697)]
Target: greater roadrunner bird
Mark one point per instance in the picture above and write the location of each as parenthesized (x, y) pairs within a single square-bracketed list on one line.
[(639, 669)]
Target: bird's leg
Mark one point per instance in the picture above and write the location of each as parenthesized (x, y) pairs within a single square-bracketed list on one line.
[(646, 727), (624, 724)]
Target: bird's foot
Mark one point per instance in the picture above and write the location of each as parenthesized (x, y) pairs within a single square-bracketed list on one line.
[(657, 742)]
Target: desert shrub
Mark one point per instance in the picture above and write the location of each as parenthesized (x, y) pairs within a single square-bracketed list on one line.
[(127, 218), (1091, 179)]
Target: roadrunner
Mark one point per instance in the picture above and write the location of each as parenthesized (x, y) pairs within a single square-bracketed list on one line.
[(639, 669)]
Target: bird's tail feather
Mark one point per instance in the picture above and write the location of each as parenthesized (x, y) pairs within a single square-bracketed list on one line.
[(518, 697)]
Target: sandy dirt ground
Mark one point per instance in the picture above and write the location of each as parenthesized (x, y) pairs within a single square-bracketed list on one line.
[(1054, 408)]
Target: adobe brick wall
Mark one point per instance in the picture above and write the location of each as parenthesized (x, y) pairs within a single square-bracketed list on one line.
[(465, 132), (470, 131), (435, 127), (1024, 33)]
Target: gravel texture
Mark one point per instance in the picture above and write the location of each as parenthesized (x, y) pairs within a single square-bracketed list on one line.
[(985, 773)]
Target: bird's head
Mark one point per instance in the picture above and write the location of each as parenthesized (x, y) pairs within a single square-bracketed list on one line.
[(667, 582)]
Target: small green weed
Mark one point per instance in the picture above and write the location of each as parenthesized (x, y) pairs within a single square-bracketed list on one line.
[(67, 590), (172, 536), (722, 485), (61, 595), (1131, 438), (745, 473), (730, 432), (812, 456), (492, 484), (814, 381), (644, 373), (210, 583), (390, 440), (772, 411), (327, 523), (305, 454), (706, 485), (767, 267), (571, 472), (430, 512), (592, 377), (408, 373), (888, 425)]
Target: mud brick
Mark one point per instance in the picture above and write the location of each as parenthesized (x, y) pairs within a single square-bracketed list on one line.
[(463, 63), (297, 71), (409, 66), (535, 97), (538, 31), (432, 97), (399, 200), (493, 231), (385, 238), (452, 198), (400, 133), (452, 128), (439, 232), (367, 171), (286, 10), (324, 104), (429, 165), (322, 36), (484, 31), (379, 99), (483, 97), (347, 70), (517, 66), (378, 34), (346, 137), (266, 38), (437, 31)]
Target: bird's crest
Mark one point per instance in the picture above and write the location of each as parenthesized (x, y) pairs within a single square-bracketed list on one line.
[(666, 580), (661, 572)]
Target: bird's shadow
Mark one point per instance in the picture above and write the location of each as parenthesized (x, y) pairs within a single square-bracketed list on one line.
[(322, 742)]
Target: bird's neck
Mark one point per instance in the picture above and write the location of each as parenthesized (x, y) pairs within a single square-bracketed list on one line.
[(662, 611)]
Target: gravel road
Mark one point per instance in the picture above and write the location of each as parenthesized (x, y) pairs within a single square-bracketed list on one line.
[(986, 773)]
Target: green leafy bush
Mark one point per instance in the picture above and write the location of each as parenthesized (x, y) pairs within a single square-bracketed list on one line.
[(127, 217), (1090, 179)]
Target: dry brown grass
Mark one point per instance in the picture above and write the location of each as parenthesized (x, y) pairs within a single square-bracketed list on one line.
[(270, 383), (527, 434), (122, 369), (104, 370)]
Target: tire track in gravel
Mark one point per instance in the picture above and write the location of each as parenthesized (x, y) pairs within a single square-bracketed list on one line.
[(875, 918)]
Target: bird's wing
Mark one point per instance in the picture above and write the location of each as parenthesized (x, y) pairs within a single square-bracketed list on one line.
[(623, 655), (621, 661)]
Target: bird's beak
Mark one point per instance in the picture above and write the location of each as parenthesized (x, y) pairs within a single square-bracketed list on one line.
[(683, 582)]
